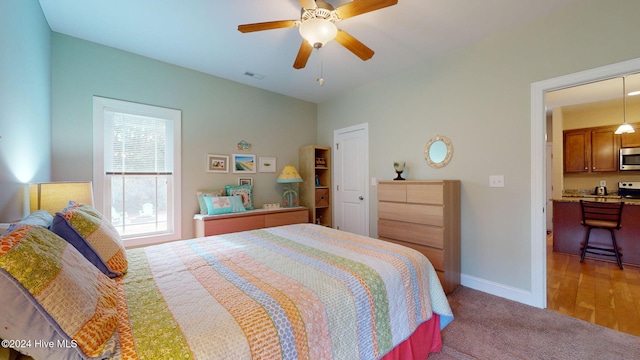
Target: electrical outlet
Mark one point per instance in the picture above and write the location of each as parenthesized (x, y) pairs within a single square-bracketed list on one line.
[(496, 180), (603, 182)]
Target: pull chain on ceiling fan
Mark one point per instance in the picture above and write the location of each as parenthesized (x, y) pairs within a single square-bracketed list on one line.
[(317, 26)]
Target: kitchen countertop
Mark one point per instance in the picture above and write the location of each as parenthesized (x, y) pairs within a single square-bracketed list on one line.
[(605, 198)]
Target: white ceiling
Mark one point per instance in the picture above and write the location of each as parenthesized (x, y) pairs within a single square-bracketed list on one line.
[(202, 35)]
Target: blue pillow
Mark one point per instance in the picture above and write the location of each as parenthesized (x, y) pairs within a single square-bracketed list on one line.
[(40, 218), (223, 204)]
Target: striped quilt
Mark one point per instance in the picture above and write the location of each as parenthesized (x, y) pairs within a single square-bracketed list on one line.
[(291, 292)]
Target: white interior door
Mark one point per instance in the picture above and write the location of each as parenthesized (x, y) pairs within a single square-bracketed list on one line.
[(351, 171)]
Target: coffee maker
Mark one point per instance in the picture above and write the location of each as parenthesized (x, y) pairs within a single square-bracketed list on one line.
[(601, 190)]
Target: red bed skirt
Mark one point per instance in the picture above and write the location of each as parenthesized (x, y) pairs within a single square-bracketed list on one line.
[(424, 341)]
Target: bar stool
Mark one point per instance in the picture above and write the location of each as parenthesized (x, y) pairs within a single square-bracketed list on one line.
[(601, 215)]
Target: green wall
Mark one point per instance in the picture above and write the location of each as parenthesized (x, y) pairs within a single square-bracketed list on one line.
[(25, 125), (216, 115), (480, 97)]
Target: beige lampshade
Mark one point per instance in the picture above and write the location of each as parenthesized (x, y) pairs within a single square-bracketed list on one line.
[(55, 196), (289, 175)]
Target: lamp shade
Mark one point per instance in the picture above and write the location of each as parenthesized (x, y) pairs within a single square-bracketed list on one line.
[(625, 129), (289, 175), (318, 31), (55, 196)]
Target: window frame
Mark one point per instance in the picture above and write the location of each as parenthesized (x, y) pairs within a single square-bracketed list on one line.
[(101, 186)]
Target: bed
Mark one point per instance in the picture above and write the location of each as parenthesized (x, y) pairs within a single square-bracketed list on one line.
[(291, 292)]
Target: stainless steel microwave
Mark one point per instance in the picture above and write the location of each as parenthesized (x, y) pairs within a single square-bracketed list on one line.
[(630, 158)]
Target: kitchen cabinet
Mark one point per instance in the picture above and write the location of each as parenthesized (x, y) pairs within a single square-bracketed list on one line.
[(633, 139), (568, 233), (591, 150)]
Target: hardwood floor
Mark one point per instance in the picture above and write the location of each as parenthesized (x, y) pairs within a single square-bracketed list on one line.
[(595, 291)]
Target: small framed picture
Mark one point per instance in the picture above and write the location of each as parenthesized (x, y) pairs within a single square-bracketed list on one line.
[(267, 164), (244, 163), (217, 163), (245, 181)]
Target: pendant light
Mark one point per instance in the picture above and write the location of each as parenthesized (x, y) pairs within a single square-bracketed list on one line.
[(624, 128)]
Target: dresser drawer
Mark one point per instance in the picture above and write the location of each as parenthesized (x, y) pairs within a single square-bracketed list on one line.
[(286, 218), (224, 226), (392, 192), (425, 194), (414, 213), (419, 234)]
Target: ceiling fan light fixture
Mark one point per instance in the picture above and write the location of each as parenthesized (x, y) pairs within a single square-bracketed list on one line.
[(318, 31)]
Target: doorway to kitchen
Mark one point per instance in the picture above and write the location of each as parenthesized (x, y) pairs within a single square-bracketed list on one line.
[(538, 163)]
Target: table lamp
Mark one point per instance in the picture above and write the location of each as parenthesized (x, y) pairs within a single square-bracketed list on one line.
[(55, 196), (289, 176)]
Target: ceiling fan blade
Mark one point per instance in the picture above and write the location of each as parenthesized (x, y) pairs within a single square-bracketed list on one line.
[(303, 55), (308, 4), (354, 45), (281, 24), (357, 7)]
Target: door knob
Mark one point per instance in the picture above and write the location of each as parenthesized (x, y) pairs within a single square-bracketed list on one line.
[(361, 198)]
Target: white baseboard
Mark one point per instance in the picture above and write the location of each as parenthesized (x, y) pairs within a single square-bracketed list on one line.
[(497, 289)]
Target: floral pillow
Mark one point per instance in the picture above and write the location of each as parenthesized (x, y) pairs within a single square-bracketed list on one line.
[(223, 204), (52, 295), (94, 236), (202, 193), (245, 192)]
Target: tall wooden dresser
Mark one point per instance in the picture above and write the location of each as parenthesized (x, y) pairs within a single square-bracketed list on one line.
[(424, 215)]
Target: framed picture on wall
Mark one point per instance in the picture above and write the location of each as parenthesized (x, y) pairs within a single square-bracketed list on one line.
[(245, 181), (267, 164), (217, 163), (244, 163)]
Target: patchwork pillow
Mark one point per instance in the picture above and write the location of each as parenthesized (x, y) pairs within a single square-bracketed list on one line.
[(201, 194), (54, 301), (245, 192), (223, 204), (94, 236)]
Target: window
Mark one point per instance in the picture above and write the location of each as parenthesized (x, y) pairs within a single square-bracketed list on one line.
[(137, 169)]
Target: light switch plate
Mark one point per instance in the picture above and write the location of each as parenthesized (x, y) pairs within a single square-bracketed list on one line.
[(496, 180)]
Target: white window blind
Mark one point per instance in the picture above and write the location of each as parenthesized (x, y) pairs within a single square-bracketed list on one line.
[(137, 145)]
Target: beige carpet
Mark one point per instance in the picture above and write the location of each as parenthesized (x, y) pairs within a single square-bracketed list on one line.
[(490, 327)]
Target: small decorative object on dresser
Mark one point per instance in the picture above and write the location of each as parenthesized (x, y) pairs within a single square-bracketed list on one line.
[(399, 166), (425, 216)]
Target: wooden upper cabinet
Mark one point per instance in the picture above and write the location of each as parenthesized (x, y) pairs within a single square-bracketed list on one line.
[(591, 150), (577, 151), (633, 139), (604, 151)]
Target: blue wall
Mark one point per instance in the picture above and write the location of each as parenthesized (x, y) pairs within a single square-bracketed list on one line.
[(25, 103)]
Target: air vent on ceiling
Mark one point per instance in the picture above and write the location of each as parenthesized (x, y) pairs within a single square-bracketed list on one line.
[(254, 75)]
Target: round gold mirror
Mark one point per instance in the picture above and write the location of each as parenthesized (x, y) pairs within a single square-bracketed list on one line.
[(438, 151)]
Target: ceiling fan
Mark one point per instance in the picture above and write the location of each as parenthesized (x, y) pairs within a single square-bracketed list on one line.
[(317, 26)]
